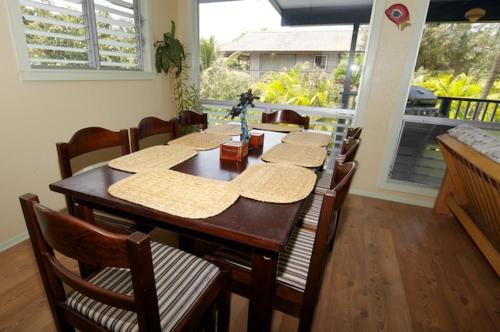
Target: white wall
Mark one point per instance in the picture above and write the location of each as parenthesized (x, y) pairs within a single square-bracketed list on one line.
[(390, 61), (37, 114)]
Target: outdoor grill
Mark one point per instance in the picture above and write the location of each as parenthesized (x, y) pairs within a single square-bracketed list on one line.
[(421, 102)]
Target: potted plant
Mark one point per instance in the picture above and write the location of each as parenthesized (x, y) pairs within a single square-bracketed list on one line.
[(170, 58)]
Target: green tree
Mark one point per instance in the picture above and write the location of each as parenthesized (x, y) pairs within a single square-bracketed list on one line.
[(459, 48), (223, 83), (341, 69), (208, 52), (299, 86)]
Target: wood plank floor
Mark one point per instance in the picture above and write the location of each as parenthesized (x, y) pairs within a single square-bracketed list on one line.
[(394, 267)]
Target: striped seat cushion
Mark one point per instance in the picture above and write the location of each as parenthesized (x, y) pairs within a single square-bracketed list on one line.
[(310, 212), (293, 264), (181, 278)]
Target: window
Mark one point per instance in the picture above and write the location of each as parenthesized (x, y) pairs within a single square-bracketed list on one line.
[(277, 62), (320, 61), (84, 35)]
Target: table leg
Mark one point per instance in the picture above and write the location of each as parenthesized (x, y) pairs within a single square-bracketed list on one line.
[(260, 311)]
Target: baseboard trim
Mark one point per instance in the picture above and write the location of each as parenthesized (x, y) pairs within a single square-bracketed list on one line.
[(13, 241), (392, 198)]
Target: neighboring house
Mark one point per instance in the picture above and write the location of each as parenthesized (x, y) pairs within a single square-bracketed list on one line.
[(274, 51)]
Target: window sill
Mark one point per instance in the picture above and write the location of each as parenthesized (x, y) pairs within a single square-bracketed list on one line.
[(84, 75)]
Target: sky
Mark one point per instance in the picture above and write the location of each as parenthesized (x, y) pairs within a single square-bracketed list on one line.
[(228, 20)]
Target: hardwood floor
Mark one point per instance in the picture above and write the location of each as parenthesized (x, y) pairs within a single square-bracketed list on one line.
[(395, 267)]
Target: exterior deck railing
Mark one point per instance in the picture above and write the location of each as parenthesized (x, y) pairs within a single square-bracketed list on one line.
[(473, 109), (327, 120)]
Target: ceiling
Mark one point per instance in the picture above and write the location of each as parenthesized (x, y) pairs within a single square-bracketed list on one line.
[(328, 12), (285, 4)]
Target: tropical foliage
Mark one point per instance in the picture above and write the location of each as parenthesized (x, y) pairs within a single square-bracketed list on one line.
[(299, 86), (208, 52), (171, 59), (221, 82), (462, 85), (459, 48)]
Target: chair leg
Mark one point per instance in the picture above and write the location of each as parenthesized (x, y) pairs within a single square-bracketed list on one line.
[(209, 320), (307, 314), (337, 225), (223, 304)]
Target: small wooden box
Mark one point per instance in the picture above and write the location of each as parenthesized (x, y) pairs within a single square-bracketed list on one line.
[(233, 150), (256, 140)]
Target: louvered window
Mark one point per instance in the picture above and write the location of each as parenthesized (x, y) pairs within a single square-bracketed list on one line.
[(83, 34)]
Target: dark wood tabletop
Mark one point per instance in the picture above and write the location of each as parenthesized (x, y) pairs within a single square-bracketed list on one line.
[(263, 225), (265, 228)]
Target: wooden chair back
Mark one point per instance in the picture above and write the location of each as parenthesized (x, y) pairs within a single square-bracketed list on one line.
[(50, 230), (331, 205), (286, 116), (151, 126), (347, 154), (190, 118), (354, 133), (87, 140), (349, 150)]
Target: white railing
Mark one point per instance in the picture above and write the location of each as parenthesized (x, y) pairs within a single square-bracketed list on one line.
[(327, 120)]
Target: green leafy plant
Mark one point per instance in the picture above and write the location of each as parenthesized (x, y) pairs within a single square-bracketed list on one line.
[(171, 59), (299, 86)]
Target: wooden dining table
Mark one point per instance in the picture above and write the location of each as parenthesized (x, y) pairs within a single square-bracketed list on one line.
[(263, 229)]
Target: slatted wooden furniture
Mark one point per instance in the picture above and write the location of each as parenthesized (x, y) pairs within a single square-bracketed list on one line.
[(471, 191), (301, 266), (88, 140), (151, 126), (190, 118), (142, 285), (354, 133), (261, 228), (286, 116)]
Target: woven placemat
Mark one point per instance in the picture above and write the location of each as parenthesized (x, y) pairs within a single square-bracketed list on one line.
[(294, 154), (307, 138), (226, 129), (160, 156), (177, 193), (285, 128), (276, 183), (201, 141)]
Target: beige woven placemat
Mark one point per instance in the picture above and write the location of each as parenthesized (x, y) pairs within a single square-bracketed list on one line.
[(201, 141), (294, 154), (276, 183), (160, 156), (177, 193), (307, 138), (226, 129), (286, 128)]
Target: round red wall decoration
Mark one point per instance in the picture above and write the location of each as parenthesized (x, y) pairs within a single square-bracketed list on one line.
[(399, 14)]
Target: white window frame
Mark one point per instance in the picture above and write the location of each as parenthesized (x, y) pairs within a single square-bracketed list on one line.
[(59, 74), (323, 56)]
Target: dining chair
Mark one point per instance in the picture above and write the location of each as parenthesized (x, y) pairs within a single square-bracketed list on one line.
[(312, 206), (136, 284), (348, 150), (94, 139), (354, 133), (188, 119), (152, 126), (286, 116), (301, 266)]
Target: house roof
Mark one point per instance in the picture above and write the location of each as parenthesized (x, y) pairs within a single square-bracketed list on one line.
[(296, 41)]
